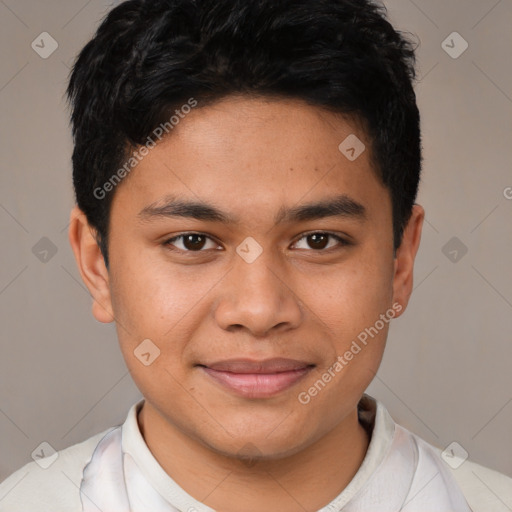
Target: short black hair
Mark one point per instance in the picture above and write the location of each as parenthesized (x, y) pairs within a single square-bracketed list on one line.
[(149, 57)]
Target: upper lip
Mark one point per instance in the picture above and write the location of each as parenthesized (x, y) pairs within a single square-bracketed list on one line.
[(275, 365)]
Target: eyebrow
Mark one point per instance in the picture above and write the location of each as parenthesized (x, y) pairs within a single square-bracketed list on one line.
[(338, 206)]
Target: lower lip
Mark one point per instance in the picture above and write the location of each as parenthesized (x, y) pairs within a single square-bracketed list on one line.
[(258, 385)]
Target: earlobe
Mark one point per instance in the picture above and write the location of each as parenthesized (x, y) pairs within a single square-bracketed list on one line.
[(405, 256), (91, 265)]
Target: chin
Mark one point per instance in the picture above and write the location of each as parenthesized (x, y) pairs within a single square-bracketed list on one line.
[(261, 446)]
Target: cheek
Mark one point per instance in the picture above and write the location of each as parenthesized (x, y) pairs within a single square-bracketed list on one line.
[(153, 299), (141, 297), (153, 306), (352, 297), (350, 305)]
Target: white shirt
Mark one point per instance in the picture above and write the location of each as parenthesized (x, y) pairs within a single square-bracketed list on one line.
[(114, 471)]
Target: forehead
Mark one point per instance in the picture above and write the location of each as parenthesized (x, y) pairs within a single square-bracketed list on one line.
[(254, 155)]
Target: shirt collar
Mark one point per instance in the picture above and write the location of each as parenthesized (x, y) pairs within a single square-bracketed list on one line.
[(373, 416)]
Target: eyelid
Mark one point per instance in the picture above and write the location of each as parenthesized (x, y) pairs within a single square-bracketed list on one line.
[(168, 241), (343, 240)]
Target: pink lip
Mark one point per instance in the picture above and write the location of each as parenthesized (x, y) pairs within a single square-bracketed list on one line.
[(258, 379)]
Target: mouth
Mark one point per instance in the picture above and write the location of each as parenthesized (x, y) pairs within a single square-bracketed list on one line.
[(257, 379)]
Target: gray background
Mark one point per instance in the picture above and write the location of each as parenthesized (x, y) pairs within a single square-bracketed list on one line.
[(446, 373)]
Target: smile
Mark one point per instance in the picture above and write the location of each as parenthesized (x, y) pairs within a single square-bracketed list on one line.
[(257, 379)]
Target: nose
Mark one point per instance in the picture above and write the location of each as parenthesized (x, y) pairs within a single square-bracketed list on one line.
[(259, 298)]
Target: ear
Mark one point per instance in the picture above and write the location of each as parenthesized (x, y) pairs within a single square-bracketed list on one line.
[(91, 265), (404, 258)]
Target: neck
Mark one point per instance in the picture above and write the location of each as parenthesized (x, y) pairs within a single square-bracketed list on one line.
[(306, 480)]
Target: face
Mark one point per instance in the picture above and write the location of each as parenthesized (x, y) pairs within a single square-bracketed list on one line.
[(255, 256)]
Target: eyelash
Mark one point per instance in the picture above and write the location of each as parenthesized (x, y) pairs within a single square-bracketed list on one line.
[(341, 241)]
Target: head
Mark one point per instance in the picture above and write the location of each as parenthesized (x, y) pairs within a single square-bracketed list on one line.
[(245, 177)]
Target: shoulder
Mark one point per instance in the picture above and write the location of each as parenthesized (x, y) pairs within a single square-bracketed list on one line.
[(51, 484), (483, 488)]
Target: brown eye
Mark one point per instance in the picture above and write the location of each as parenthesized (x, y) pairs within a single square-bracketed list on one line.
[(319, 241), (191, 242), (194, 242)]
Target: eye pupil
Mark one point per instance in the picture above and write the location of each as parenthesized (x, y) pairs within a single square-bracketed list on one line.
[(318, 241), (194, 241)]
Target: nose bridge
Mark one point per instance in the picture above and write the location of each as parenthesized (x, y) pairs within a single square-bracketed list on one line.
[(258, 278), (257, 296)]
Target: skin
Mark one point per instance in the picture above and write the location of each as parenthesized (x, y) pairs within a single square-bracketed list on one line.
[(250, 157)]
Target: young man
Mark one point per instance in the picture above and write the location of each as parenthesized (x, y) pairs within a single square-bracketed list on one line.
[(246, 175)]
